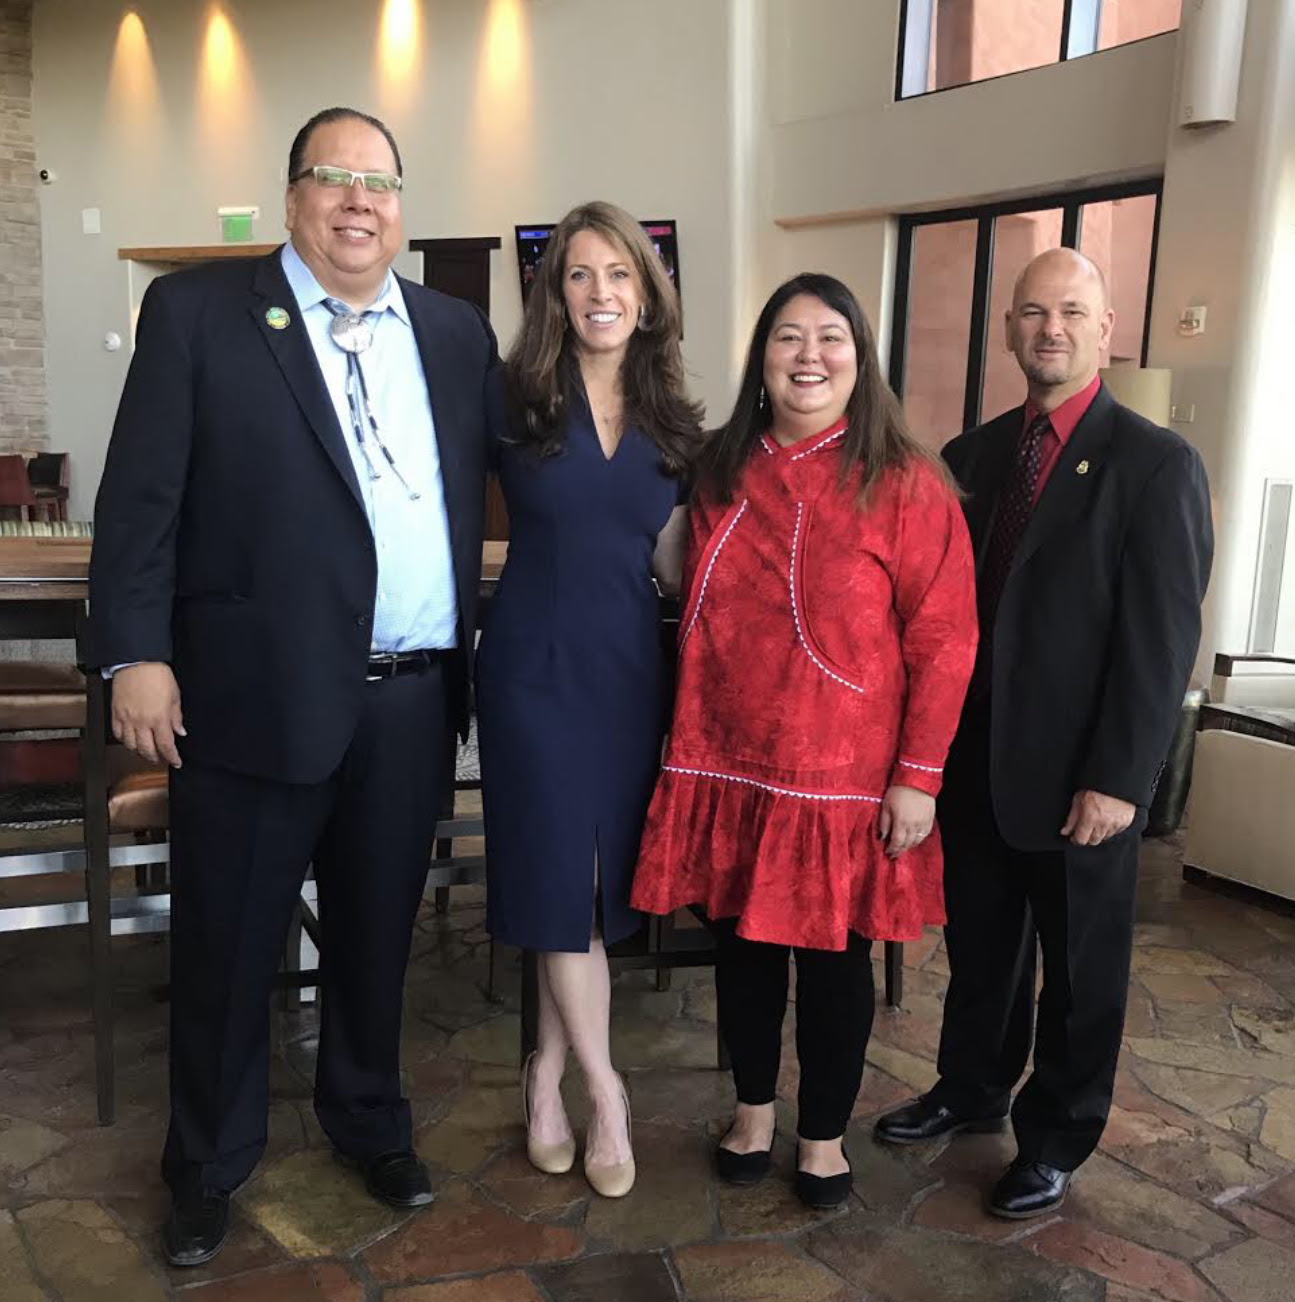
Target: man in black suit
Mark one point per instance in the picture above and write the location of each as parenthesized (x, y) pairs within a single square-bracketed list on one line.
[(1093, 546), (286, 561)]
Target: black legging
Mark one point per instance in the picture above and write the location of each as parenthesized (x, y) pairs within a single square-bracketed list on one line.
[(834, 1008)]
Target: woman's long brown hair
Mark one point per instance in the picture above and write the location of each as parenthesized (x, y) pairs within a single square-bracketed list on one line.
[(542, 372)]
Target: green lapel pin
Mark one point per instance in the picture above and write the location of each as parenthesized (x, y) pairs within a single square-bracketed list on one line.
[(276, 318)]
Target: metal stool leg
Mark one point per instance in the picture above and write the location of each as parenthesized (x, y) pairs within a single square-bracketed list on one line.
[(291, 1001), (99, 893), (894, 965)]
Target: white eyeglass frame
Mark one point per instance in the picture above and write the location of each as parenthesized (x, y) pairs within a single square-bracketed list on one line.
[(351, 176)]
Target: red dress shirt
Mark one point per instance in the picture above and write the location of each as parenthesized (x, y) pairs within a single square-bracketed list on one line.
[(1063, 420)]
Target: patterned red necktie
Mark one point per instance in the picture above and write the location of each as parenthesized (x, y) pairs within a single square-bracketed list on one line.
[(1015, 504)]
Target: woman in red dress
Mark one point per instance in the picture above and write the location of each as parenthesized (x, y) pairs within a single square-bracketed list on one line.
[(826, 641)]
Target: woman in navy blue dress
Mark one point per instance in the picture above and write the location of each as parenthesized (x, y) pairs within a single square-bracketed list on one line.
[(593, 435)]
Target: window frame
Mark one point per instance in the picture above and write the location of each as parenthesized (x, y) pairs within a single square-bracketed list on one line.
[(1071, 203), (1080, 27)]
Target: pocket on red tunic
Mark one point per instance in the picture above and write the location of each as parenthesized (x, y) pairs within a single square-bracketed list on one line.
[(858, 592)]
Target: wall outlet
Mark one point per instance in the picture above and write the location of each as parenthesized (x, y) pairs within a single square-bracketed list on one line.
[(1182, 413), (1192, 320)]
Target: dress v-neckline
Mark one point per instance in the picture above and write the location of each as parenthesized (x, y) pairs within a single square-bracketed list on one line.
[(602, 451)]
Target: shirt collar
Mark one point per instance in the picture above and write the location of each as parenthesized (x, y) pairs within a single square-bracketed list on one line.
[(310, 293), (1064, 419)]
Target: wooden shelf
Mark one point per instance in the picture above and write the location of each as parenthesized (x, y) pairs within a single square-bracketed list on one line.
[(195, 252)]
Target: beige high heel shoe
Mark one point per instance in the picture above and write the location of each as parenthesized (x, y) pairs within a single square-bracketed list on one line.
[(552, 1159), (616, 1179)]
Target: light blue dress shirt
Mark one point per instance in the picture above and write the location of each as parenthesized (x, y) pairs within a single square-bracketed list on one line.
[(416, 605)]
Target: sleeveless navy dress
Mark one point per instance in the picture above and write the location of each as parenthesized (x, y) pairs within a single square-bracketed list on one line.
[(571, 685)]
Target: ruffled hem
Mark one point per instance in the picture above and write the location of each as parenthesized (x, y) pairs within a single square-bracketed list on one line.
[(792, 870)]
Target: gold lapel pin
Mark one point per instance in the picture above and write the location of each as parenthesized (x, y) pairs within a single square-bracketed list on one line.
[(1082, 468), (276, 318)]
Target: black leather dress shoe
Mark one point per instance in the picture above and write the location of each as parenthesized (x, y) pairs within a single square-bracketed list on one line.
[(824, 1192), (922, 1119), (1029, 1189), (398, 1179), (743, 1168), (195, 1230)]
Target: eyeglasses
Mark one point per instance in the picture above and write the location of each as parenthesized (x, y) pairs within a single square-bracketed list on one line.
[(333, 177)]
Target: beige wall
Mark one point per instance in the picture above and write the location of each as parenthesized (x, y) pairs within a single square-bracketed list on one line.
[(767, 127), (838, 146), (1227, 240), (513, 112)]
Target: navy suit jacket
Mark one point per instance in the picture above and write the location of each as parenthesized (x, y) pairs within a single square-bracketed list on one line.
[(1100, 618), (230, 535)]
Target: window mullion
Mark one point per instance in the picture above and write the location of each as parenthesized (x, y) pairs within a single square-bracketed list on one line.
[(979, 323)]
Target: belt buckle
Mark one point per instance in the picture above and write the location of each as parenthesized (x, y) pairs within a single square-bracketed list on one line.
[(388, 663)]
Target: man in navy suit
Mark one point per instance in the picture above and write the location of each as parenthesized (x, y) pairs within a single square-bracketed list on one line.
[(283, 588), (1093, 546)]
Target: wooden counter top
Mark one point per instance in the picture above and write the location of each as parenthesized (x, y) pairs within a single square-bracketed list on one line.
[(43, 569)]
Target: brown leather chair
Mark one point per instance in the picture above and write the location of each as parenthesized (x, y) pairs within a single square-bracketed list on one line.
[(49, 474), (38, 696), (16, 491)]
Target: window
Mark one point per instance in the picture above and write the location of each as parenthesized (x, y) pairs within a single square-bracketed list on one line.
[(953, 286), (948, 43)]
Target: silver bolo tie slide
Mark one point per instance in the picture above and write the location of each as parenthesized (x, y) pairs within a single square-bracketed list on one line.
[(353, 334)]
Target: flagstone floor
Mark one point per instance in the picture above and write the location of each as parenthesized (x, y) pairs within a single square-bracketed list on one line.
[(1191, 1198)]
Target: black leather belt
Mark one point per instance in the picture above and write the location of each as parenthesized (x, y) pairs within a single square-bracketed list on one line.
[(395, 663)]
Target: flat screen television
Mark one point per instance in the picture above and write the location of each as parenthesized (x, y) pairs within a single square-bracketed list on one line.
[(532, 240)]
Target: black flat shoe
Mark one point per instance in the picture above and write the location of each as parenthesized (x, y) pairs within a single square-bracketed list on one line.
[(824, 1192), (398, 1179), (1029, 1189), (922, 1119), (743, 1168), (195, 1231)]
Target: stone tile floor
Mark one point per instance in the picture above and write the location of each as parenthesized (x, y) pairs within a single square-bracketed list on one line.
[(1191, 1197)]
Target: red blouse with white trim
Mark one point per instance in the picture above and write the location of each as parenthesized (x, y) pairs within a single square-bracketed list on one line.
[(824, 652)]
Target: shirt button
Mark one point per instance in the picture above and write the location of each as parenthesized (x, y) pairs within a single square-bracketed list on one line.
[(361, 621)]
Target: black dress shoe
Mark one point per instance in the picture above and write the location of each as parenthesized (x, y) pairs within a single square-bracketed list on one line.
[(824, 1192), (743, 1168), (923, 1119), (195, 1230), (398, 1179), (1029, 1189)]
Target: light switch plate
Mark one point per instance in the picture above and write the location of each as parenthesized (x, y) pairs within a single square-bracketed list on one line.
[(90, 222)]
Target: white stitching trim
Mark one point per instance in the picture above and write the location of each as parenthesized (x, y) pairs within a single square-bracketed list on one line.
[(701, 596), (810, 451), (926, 768), (764, 443), (795, 612), (767, 786)]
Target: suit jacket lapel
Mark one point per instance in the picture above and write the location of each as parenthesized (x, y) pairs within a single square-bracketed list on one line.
[(985, 477), (1068, 491), (296, 358), (437, 350)]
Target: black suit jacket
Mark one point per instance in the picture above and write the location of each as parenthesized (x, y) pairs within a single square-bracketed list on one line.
[(1098, 625), (230, 535)]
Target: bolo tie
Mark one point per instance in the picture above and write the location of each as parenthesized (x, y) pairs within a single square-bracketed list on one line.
[(352, 332)]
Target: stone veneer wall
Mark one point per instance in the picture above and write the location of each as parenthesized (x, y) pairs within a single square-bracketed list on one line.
[(22, 315)]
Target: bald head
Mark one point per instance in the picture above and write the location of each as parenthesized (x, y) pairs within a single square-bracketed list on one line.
[(1059, 325), (1061, 262)]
